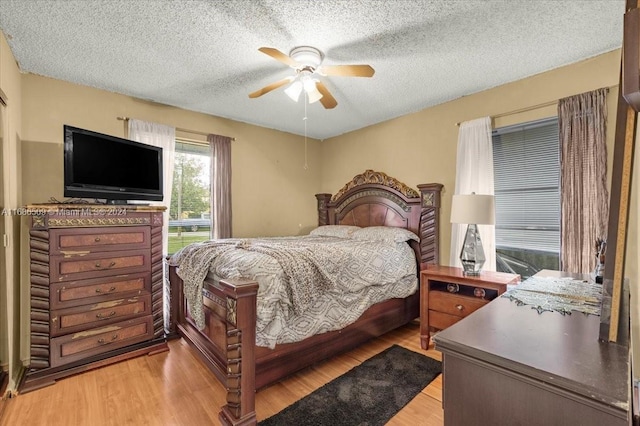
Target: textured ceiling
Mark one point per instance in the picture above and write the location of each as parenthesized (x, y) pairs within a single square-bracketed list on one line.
[(203, 55)]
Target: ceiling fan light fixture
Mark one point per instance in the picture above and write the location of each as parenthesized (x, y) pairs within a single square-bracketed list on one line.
[(306, 60), (294, 90), (313, 94)]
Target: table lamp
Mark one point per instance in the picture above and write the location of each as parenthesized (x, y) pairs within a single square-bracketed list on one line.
[(473, 209)]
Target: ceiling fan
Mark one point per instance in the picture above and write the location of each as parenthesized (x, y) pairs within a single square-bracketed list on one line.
[(307, 60)]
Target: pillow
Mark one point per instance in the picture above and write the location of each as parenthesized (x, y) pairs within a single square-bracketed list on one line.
[(385, 233), (340, 231)]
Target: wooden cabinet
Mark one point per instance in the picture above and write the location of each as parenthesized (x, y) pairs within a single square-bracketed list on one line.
[(96, 288), (447, 296), (509, 364)]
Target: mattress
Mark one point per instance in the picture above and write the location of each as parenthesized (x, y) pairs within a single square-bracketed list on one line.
[(307, 284)]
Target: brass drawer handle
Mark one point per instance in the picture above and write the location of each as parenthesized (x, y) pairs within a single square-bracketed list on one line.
[(103, 341), (111, 265), (97, 239), (100, 316), (459, 307), (99, 290)]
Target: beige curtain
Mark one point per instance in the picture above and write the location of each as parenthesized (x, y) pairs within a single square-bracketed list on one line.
[(583, 160), (220, 185)]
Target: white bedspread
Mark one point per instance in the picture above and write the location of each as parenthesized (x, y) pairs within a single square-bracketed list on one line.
[(307, 285)]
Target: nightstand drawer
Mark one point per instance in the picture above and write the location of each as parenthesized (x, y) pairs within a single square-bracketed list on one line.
[(441, 321), (452, 304)]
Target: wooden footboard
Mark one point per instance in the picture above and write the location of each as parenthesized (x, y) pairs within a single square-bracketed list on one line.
[(227, 343)]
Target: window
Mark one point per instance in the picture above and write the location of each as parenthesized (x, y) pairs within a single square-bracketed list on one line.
[(190, 211), (526, 161)]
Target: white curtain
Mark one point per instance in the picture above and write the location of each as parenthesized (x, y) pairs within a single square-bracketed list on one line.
[(474, 173), (164, 137)]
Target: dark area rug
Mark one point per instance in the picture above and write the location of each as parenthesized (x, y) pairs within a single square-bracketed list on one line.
[(367, 395)]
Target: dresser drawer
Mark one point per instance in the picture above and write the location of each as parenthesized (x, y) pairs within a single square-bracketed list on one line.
[(94, 265), (83, 317), (452, 304), (77, 346), (72, 240), (67, 294)]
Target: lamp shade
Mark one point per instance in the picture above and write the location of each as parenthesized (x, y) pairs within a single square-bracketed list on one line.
[(476, 209), (294, 90), (313, 94)]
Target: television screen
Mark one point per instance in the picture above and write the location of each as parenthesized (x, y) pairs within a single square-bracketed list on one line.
[(107, 167)]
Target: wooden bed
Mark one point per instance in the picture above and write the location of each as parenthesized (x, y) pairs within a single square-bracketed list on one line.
[(227, 344)]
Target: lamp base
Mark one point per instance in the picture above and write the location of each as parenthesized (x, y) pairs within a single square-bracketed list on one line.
[(472, 254), (470, 272)]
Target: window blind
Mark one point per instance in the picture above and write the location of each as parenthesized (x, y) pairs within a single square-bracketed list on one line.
[(527, 186)]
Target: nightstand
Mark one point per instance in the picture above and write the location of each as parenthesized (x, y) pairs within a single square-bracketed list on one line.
[(447, 295)]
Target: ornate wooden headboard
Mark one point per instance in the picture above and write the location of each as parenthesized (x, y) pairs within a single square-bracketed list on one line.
[(375, 199)]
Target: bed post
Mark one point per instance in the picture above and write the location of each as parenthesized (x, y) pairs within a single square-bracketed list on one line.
[(234, 303), (173, 298), (241, 296), (429, 226), (323, 210)]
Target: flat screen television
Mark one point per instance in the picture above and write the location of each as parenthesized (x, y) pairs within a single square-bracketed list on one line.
[(109, 168)]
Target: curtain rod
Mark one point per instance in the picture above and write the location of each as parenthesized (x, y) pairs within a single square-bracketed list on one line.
[(191, 141), (531, 108), (179, 129)]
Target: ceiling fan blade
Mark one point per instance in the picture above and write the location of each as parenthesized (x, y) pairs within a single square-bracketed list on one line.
[(347, 70), (270, 87), (279, 56), (327, 100)]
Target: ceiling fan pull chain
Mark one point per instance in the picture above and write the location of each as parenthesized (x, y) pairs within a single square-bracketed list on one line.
[(306, 166)]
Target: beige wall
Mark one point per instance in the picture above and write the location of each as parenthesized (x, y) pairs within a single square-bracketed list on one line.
[(267, 165), (10, 289), (421, 147)]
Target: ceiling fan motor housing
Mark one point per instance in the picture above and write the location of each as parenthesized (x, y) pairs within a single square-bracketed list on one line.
[(307, 55)]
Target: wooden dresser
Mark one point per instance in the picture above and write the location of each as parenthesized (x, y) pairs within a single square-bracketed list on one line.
[(507, 364), (96, 287)]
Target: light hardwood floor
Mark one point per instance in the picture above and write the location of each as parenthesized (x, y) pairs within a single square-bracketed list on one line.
[(175, 388)]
